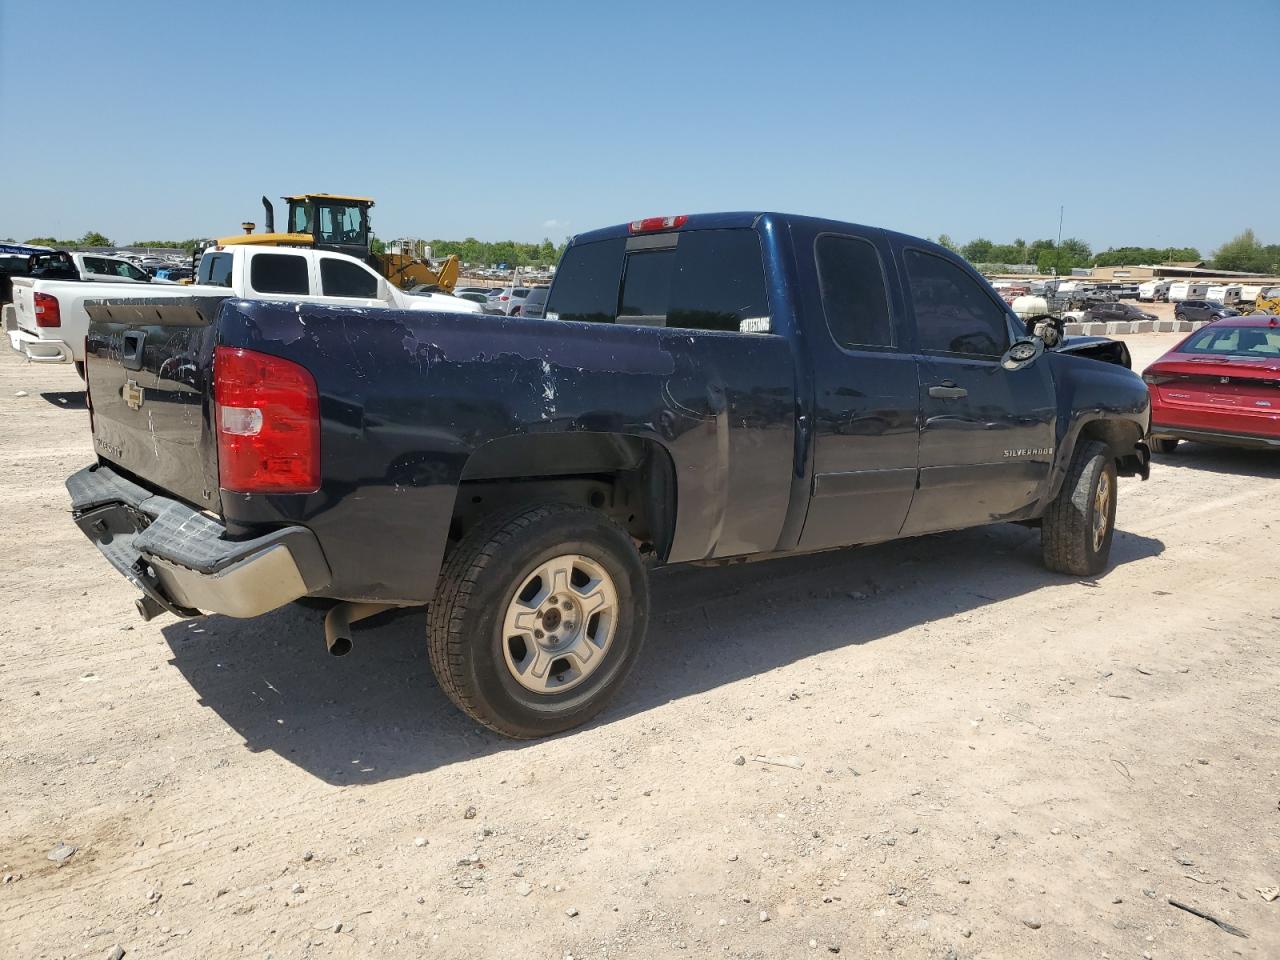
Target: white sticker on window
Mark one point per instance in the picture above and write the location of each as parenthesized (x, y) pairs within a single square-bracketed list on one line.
[(553, 316), (753, 325)]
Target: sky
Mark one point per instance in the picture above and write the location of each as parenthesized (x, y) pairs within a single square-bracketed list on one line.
[(1150, 123)]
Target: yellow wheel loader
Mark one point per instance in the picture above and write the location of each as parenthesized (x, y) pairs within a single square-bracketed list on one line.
[(328, 221)]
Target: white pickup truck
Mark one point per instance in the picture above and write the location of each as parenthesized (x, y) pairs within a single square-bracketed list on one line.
[(52, 319)]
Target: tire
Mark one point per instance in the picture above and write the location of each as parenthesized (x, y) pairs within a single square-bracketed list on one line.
[(1071, 540), (510, 565), (79, 365), (1164, 445)]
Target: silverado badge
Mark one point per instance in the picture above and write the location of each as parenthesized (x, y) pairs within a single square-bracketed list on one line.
[(132, 394)]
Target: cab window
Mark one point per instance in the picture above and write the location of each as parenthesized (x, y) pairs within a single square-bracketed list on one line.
[(954, 314), (215, 270), (851, 281), (279, 273), (342, 278)]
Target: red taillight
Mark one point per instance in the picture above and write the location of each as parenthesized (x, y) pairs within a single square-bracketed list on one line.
[(268, 416), (649, 224), (504, 298), (47, 312)]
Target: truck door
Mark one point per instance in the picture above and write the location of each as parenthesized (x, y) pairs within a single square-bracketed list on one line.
[(987, 436), (866, 392)]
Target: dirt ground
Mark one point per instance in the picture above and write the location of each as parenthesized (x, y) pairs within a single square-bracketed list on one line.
[(987, 760)]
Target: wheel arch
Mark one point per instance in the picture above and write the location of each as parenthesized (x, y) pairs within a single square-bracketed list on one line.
[(632, 479)]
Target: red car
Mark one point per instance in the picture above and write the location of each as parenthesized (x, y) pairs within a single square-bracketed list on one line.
[(1219, 385)]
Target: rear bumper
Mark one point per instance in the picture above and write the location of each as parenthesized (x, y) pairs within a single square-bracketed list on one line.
[(181, 558), (1160, 431), (38, 350)]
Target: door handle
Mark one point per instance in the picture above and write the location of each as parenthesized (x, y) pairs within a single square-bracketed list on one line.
[(948, 391), (131, 355)]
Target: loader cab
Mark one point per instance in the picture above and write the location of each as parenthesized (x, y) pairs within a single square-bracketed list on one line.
[(333, 222)]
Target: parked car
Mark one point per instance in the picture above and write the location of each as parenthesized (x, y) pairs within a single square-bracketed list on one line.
[(1202, 310), (508, 300), (1221, 385), (1106, 312), (458, 291), (53, 315), (535, 304), (717, 387)]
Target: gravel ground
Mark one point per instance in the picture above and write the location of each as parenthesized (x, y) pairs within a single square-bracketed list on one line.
[(979, 758)]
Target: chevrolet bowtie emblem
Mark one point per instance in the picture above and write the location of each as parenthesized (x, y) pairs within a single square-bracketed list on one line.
[(132, 394)]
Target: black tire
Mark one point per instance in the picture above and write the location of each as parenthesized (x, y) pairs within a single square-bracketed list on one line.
[(1067, 533), (1164, 445), (480, 579)]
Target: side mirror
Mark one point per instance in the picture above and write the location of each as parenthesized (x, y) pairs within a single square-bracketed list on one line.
[(1046, 328), (1023, 353)]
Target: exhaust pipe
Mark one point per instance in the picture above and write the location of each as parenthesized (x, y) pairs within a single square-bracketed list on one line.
[(269, 225), (338, 621)]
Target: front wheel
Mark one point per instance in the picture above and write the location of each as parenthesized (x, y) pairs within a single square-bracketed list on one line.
[(1076, 530), (539, 616)]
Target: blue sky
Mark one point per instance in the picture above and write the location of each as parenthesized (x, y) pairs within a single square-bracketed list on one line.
[(1149, 121)]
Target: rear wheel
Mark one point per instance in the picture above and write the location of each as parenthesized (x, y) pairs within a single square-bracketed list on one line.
[(1076, 531), (538, 618), (1164, 445)]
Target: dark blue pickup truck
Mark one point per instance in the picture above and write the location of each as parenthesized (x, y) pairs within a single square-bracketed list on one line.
[(703, 388)]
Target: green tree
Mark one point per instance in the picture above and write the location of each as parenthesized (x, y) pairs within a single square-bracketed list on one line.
[(977, 251), (944, 240), (1245, 252), (95, 239)]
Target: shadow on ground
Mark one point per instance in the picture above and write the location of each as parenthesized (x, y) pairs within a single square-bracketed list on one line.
[(1235, 461), (378, 714), (67, 399)]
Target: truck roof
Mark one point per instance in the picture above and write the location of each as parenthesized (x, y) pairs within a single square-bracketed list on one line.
[(740, 219)]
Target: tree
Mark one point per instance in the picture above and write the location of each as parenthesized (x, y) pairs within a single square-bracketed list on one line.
[(1245, 252), (944, 240), (95, 239), (977, 251)]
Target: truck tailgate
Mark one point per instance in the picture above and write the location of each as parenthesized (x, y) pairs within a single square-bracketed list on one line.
[(148, 369), (24, 310)]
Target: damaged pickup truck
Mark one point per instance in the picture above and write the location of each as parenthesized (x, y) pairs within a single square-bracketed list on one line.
[(704, 388)]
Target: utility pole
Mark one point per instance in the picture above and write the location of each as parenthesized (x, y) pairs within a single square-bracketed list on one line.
[(1057, 255)]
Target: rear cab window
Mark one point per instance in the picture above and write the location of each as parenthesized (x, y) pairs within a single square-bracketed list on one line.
[(215, 270), (693, 280), (284, 273)]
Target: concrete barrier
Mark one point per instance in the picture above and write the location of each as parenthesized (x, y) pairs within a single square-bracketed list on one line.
[(1141, 326), (1197, 324), (1095, 329), (1166, 326), (1182, 326), (1073, 329)]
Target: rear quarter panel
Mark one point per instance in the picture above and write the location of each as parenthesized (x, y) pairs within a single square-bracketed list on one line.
[(408, 396)]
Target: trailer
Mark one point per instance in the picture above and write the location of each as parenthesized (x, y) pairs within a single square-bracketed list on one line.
[(1188, 290)]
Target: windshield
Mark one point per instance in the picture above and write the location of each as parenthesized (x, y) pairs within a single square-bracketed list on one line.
[(343, 224), (1258, 342)]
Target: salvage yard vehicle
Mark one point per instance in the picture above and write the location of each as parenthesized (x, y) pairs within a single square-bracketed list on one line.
[(340, 224), (1105, 312), (1219, 385), (1205, 310), (704, 388), (53, 317)]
